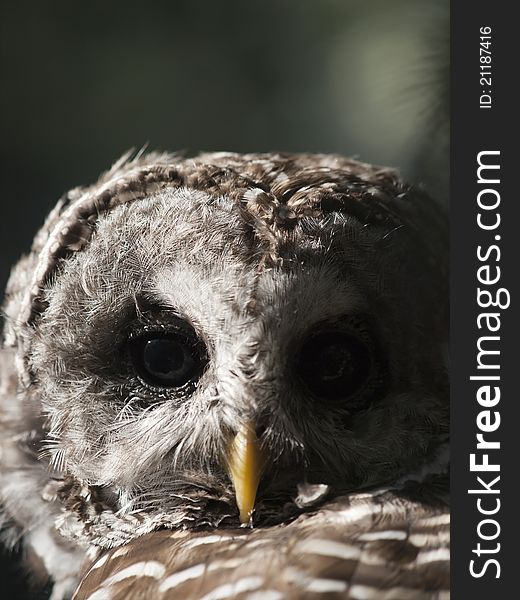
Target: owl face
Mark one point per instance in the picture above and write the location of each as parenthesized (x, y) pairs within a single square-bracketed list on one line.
[(192, 342), (175, 329)]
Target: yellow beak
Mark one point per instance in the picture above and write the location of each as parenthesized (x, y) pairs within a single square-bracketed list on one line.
[(245, 465)]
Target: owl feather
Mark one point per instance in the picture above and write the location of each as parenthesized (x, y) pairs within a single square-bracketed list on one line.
[(178, 302)]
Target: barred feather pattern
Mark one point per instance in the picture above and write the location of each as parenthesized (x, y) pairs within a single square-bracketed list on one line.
[(381, 545)]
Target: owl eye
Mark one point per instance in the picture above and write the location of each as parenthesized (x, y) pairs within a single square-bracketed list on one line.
[(165, 360), (334, 365)]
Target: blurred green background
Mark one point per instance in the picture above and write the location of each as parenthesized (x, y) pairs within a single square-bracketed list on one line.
[(84, 82)]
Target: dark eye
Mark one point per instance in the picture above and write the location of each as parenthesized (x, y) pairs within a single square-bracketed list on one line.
[(334, 365), (166, 360)]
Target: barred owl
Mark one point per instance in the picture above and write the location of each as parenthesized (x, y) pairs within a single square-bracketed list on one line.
[(225, 377)]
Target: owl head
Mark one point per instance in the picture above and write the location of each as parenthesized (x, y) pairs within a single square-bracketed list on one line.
[(197, 340)]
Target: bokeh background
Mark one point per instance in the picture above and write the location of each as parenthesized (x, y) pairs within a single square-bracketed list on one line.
[(84, 82)]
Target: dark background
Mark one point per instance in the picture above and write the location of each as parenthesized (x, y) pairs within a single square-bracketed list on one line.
[(81, 84), (84, 82)]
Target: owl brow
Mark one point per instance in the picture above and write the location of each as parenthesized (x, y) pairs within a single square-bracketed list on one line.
[(150, 303), (75, 217)]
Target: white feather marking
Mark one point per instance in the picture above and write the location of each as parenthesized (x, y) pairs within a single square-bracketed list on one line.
[(209, 539), (435, 521), (357, 513), (100, 594), (366, 592), (433, 555), (382, 535), (324, 547), (371, 558), (266, 595), (435, 538), (323, 586), (120, 552), (230, 563), (99, 563), (182, 576), (150, 568), (314, 584), (230, 590)]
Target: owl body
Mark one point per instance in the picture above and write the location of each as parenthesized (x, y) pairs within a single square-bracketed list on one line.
[(178, 302), (364, 546)]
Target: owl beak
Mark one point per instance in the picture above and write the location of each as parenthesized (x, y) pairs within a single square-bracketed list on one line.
[(245, 464)]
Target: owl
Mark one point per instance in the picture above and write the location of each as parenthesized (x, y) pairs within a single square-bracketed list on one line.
[(225, 376)]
